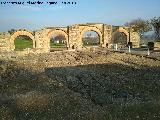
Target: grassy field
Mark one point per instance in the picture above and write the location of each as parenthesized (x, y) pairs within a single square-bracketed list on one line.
[(57, 45), (90, 42), (21, 43)]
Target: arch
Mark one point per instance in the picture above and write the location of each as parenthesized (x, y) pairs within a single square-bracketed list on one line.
[(95, 29), (120, 30), (21, 32), (57, 32)]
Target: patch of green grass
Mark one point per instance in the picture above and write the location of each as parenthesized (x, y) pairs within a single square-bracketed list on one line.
[(21, 44), (57, 45), (90, 42)]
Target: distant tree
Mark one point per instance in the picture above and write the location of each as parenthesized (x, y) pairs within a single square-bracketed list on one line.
[(89, 35), (155, 22), (11, 31), (34, 32), (139, 25), (59, 37), (24, 37)]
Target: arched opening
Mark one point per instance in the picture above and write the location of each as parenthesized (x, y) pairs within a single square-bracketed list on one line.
[(22, 42), (58, 42), (120, 38), (91, 38)]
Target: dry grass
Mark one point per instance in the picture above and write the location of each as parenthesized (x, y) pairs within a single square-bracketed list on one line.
[(33, 100)]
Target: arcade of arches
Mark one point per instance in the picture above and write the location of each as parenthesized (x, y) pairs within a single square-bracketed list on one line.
[(73, 37)]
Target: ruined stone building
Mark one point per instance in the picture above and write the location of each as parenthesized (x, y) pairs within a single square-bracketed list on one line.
[(73, 36)]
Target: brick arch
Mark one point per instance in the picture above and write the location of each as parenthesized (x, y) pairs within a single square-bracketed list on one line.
[(21, 32), (58, 32), (121, 30), (95, 29)]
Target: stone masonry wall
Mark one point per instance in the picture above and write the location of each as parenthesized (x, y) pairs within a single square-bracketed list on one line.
[(73, 35), (5, 42)]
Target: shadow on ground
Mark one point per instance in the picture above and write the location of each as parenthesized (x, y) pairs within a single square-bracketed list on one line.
[(87, 92)]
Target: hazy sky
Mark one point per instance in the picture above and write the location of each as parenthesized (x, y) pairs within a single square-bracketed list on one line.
[(114, 12)]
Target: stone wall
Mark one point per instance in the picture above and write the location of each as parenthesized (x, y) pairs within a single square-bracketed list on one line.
[(157, 45), (135, 39), (5, 42), (41, 41), (107, 35), (73, 35)]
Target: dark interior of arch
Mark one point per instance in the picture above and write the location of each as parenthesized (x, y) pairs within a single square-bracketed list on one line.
[(91, 38), (22, 42), (120, 38)]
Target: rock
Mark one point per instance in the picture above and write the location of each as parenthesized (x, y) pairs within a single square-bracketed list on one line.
[(3, 69), (5, 100)]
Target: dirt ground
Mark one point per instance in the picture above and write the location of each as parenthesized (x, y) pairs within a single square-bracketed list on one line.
[(98, 85)]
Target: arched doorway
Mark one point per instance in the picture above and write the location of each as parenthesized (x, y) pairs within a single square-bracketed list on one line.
[(121, 38), (91, 38), (58, 40), (22, 42)]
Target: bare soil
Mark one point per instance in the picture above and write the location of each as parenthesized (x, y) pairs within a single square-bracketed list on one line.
[(98, 85)]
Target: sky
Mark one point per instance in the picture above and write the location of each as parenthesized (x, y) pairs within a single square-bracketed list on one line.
[(36, 17)]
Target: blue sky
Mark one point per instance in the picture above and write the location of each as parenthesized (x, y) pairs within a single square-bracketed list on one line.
[(114, 12)]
